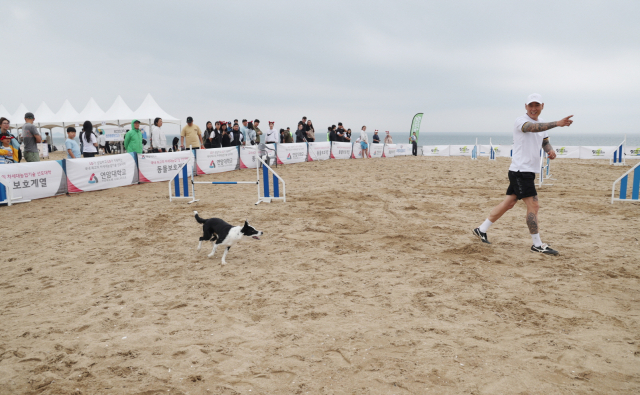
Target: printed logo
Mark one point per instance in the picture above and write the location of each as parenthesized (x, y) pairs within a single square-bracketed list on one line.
[(289, 156), (93, 179), (634, 152), (212, 165), (464, 149), (561, 151), (598, 152), (435, 150)]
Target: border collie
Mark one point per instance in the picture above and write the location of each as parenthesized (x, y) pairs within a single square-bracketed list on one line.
[(221, 233)]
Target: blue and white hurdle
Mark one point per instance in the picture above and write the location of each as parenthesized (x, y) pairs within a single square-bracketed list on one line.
[(474, 151), (6, 195), (264, 194), (618, 155), (492, 152), (545, 169), (624, 182)]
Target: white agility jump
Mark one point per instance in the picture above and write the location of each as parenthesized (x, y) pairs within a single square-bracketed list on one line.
[(474, 151), (262, 197), (492, 151), (624, 182), (545, 169), (619, 155), (6, 196)]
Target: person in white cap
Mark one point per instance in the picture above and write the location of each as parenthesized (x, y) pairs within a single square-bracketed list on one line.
[(529, 135)]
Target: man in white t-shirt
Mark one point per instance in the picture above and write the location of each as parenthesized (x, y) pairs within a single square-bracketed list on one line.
[(272, 134), (529, 135)]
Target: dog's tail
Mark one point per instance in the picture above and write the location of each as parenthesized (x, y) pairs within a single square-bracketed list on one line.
[(200, 220)]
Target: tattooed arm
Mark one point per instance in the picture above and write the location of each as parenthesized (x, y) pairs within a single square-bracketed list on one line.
[(546, 146), (541, 127)]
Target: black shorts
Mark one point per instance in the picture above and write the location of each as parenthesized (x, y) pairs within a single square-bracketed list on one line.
[(522, 184)]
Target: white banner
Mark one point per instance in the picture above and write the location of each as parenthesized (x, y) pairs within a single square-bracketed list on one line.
[(568, 152), (605, 152), (503, 151), (435, 150), (356, 151), (460, 150), (94, 174), (217, 160), (163, 166), (291, 153), (113, 134), (376, 150), (484, 150), (389, 151), (43, 150), (34, 180), (631, 152), (248, 156), (340, 150), (319, 151), (404, 149)]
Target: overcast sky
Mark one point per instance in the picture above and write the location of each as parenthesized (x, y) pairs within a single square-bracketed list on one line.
[(468, 65)]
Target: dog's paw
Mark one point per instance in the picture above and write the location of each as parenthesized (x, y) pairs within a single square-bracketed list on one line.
[(224, 262)]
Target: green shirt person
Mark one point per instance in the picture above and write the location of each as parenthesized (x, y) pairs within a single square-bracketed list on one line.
[(133, 138)]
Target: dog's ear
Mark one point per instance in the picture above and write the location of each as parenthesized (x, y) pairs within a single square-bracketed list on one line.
[(246, 223)]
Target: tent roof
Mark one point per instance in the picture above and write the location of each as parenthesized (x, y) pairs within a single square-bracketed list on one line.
[(45, 117), (149, 110), (67, 114), (119, 111), (18, 117), (92, 112), (4, 112)]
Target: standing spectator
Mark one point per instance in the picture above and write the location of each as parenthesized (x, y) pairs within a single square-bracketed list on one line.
[(208, 131), (340, 132), (364, 142), (7, 153), (286, 136), (226, 137), (304, 123), (4, 131), (47, 141), (133, 138), (174, 144), (244, 129), (145, 137), (236, 136), (158, 139), (300, 134), (101, 142), (250, 134), (256, 123), (191, 135), (388, 139), (90, 141), (216, 136), (73, 149), (30, 137), (376, 138), (347, 136), (414, 143), (272, 134), (311, 133)]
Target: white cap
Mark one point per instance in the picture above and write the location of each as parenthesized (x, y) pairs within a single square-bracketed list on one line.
[(534, 97)]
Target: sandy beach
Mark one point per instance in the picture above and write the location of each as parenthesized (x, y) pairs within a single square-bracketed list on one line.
[(368, 280)]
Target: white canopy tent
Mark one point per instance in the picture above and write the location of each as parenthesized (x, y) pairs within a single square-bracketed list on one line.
[(150, 110), (17, 118), (119, 112), (45, 118), (92, 112), (4, 113), (67, 114)]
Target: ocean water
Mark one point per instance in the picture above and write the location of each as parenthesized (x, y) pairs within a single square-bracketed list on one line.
[(557, 138)]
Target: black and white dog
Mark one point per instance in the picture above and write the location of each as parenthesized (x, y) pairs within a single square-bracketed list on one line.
[(221, 233)]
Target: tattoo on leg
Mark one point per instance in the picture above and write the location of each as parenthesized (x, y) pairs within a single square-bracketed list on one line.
[(535, 198), (532, 223)]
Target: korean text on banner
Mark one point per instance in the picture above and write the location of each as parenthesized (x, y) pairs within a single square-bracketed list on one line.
[(93, 174), (163, 166), (404, 149), (340, 150), (217, 160), (319, 151), (376, 150), (568, 152), (35, 180), (389, 150), (597, 152), (435, 150), (248, 157), (291, 153), (460, 150)]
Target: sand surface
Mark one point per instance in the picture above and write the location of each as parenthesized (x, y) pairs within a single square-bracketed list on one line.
[(367, 281)]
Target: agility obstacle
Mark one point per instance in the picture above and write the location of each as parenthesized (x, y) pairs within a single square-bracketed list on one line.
[(624, 182), (6, 196), (545, 169), (474, 151), (618, 155), (492, 152), (264, 194)]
